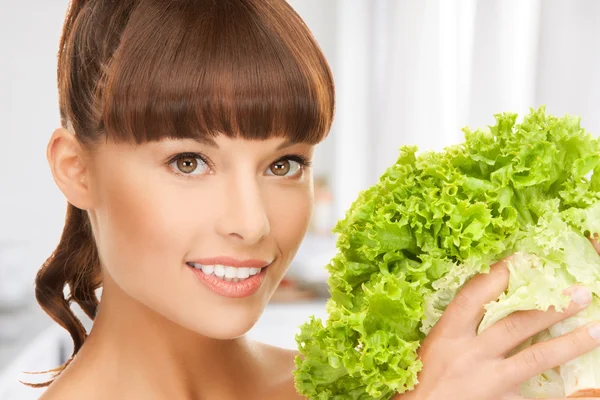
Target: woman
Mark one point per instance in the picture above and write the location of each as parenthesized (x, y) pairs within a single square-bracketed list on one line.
[(184, 153)]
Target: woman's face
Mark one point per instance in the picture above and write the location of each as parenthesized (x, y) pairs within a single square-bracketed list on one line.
[(159, 219)]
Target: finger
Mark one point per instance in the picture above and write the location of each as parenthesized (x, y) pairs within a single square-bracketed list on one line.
[(549, 354), (465, 311), (506, 334)]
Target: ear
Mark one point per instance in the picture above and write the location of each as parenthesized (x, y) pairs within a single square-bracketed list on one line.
[(68, 160)]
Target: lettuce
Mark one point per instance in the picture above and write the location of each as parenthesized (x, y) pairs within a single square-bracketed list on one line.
[(408, 243)]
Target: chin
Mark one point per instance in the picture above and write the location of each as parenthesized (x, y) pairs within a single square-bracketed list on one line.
[(223, 323), (226, 330)]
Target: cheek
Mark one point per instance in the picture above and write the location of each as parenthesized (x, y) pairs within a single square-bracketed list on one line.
[(144, 230), (290, 214)]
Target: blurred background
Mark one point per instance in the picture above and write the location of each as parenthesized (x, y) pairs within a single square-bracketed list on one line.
[(406, 72)]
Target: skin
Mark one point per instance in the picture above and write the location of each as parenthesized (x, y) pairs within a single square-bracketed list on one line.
[(159, 332)]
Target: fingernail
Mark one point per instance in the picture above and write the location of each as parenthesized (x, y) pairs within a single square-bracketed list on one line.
[(581, 295), (595, 331)]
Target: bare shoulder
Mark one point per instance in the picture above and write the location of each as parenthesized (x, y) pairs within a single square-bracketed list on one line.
[(280, 365)]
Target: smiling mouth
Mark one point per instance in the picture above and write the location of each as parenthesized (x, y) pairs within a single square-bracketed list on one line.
[(226, 272)]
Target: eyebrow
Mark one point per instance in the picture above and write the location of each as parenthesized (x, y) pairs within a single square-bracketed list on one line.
[(210, 142)]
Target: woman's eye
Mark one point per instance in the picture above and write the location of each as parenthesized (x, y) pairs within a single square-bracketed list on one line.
[(285, 167), (189, 164)]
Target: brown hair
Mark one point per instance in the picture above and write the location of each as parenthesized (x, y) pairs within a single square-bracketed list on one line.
[(142, 70)]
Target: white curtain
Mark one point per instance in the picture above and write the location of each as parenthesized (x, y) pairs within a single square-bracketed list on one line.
[(416, 72)]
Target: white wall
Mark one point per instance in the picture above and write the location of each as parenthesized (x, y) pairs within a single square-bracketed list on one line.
[(568, 79), (31, 208), (505, 59)]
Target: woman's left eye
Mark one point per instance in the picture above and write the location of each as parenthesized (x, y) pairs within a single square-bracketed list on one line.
[(188, 164), (287, 166)]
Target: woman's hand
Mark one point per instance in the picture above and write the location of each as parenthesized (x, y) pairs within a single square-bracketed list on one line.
[(459, 365)]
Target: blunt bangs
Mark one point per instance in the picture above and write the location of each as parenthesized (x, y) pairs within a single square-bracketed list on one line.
[(187, 69)]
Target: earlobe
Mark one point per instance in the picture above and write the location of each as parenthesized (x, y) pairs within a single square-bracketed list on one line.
[(67, 163)]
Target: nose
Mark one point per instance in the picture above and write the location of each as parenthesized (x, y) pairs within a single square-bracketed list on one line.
[(243, 213)]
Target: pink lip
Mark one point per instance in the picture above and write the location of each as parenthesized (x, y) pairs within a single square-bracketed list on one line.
[(231, 262), (231, 289)]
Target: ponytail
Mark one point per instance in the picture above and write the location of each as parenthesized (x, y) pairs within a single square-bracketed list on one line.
[(75, 264)]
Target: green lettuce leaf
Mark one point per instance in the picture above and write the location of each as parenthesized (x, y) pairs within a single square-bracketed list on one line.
[(433, 221)]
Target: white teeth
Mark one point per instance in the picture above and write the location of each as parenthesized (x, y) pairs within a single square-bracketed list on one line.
[(243, 273), (228, 273), (219, 271)]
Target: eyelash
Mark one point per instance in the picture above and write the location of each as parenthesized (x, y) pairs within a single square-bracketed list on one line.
[(295, 157), (304, 163)]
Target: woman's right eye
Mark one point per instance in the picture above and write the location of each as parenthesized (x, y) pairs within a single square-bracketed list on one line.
[(189, 164)]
